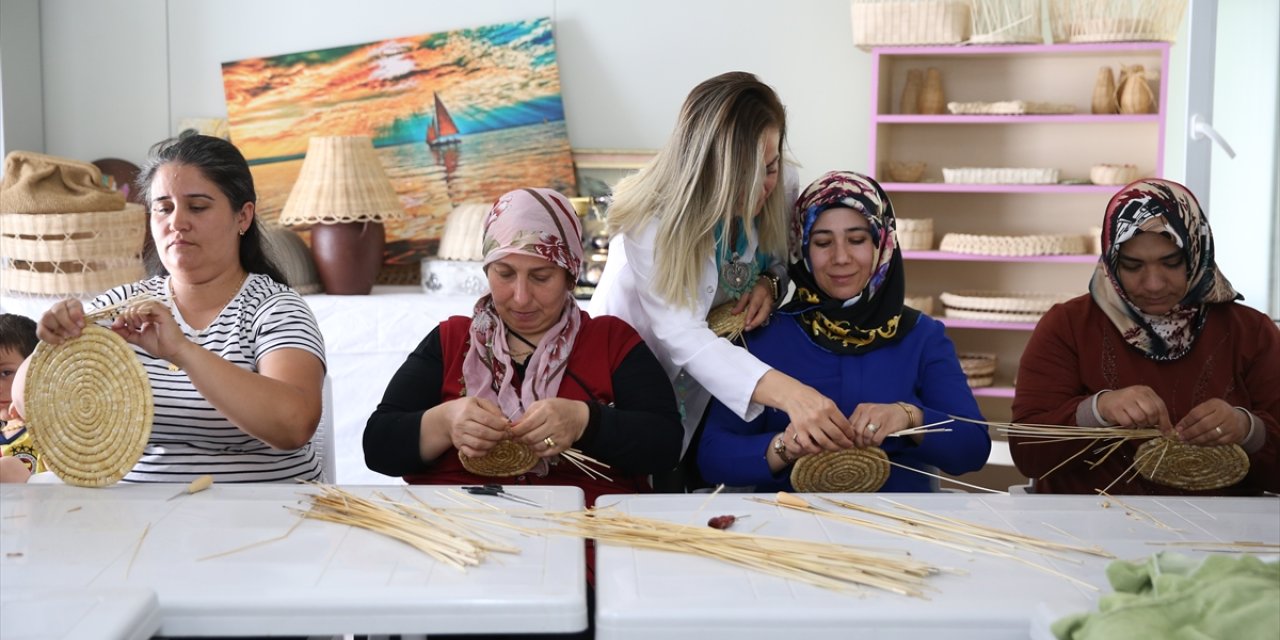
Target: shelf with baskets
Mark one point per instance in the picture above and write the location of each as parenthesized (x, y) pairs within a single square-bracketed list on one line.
[(1056, 160)]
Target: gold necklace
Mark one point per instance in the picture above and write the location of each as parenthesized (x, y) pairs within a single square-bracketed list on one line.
[(173, 294)]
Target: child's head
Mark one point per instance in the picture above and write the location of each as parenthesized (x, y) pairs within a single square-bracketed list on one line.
[(17, 341)]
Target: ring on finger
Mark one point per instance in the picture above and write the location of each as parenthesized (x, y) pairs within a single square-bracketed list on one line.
[(551, 444), (871, 427), (795, 437), (1218, 429)]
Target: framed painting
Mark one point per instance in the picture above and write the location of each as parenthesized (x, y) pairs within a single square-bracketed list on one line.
[(456, 117)]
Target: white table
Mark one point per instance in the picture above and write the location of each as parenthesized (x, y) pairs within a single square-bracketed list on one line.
[(77, 614), (323, 578), (651, 594)]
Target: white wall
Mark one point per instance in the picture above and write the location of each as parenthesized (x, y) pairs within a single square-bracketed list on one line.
[(22, 116)]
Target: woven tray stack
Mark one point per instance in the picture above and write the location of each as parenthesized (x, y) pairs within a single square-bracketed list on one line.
[(922, 303), (993, 306), (1033, 245), (979, 368), (915, 234)]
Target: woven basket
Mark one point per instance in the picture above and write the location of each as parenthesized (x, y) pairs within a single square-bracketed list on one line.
[(508, 458), (1099, 21), (915, 234), (923, 303), (1094, 240), (1034, 245), (1005, 21), (993, 316), (978, 368), (912, 171), (1190, 467), (1009, 108), (844, 471), (892, 22), (71, 253), (1003, 301), (89, 407), (1113, 174), (725, 323), (999, 175)]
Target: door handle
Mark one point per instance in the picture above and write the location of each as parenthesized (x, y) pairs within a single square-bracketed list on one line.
[(1200, 128)]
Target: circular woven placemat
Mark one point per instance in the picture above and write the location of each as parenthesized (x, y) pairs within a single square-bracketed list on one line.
[(1032, 245), (90, 408), (1191, 467), (1003, 301), (844, 471), (508, 458), (992, 316), (725, 323)]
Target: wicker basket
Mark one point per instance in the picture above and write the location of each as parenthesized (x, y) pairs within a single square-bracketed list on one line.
[(1117, 174), (1005, 21), (1034, 245), (906, 171), (999, 175), (1003, 302), (923, 303), (71, 253), (979, 368), (1009, 108), (915, 234), (1111, 21), (897, 22), (1094, 240)]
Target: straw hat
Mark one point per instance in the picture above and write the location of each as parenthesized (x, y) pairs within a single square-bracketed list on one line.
[(89, 407), (341, 180), (844, 471), (508, 458)]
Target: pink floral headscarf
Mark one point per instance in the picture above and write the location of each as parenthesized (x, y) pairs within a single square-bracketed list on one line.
[(542, 223)]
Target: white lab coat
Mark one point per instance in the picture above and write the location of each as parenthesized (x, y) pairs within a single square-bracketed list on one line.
[(698, 362)]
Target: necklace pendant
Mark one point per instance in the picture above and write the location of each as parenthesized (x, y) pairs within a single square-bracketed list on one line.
[(735, 273)]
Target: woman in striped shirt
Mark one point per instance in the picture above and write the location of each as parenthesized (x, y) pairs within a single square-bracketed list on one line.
[(235, 357)]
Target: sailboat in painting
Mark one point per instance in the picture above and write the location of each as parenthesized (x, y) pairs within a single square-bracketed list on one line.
[(442, 131)]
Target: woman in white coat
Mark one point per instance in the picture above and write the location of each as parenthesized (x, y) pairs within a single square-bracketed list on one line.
[(703, 225)]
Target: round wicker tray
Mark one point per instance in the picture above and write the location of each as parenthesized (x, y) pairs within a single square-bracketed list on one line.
[(1191, 467), (725, 323), (999, 175), (993, 316), (89, 407), (977, 364), (1003, 301), (1034, 245), (844, 471), (508, 458), (915, 234), (1116, 174)]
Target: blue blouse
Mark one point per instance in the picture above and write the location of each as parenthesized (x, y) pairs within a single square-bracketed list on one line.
[(920, 369)]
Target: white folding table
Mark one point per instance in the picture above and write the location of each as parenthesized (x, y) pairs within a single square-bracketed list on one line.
[(323, 578), (656, 594), (127, 613)]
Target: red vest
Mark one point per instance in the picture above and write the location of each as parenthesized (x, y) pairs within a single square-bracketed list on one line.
[(601, 345)]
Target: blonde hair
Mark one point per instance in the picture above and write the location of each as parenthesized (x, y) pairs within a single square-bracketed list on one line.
[(710, 172)]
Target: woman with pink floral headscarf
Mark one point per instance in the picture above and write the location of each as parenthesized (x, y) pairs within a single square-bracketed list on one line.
[(529, 365), (1159, 341)]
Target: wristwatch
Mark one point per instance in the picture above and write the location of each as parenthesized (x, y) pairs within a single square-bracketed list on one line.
[(773, 284), (780, 448)]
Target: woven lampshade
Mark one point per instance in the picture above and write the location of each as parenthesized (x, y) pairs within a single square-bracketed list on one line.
[(341, 181)]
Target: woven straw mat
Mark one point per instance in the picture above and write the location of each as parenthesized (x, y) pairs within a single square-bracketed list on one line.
[(508, 458), (1191, 467), (90, 408), (725, 323), (844, 471)]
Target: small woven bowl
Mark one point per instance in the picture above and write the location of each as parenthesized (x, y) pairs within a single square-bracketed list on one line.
[(1113, 174), (977, 364), (844, 471), (1190, 467), (915, 234), (906, 171), (508, 458)]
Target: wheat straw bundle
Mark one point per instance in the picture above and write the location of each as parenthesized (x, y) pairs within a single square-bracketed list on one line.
[(725, 323), (508, 458), (90, 408), (1191, 467), (844, 471)]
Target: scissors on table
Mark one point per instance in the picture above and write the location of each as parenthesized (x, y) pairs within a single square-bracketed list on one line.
[(497, 490)]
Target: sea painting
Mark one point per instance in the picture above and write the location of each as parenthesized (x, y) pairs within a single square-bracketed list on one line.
[(456, 117)]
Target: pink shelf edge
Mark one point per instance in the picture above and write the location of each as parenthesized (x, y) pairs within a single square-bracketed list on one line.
[(966, 257), (1081, 118), (993, 392), (962, 323), (960, 49), (944, 187)]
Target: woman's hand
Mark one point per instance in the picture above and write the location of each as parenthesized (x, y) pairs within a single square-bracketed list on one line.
[(1213, 423), (150, 325), (63, 321), (816, 423), (1135, 407), (873, 422), (758, 303), (552, 425), (475, 425)]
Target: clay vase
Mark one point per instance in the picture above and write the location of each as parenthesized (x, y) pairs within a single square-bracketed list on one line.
[(932, 101), (1135, 94), (910, 103), (1104, 92), (348, 255)]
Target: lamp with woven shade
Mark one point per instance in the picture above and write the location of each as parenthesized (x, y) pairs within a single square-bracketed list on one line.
[(343, 191)]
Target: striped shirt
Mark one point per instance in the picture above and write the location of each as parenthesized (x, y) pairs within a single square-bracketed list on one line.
[(189, 437)]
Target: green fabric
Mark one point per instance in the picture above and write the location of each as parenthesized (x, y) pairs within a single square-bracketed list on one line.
[(1173, 596)]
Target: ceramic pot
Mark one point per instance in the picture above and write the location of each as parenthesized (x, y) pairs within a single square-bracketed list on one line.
[(348, 255)]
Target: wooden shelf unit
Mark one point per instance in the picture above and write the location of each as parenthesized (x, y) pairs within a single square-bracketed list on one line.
[(1073, 143)]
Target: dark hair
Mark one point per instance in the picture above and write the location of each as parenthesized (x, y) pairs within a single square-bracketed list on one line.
[(223, 164), (17, 333)]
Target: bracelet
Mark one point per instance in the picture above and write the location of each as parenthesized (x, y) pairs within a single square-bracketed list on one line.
[(911, 418), (780, 448), (774, 284)]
